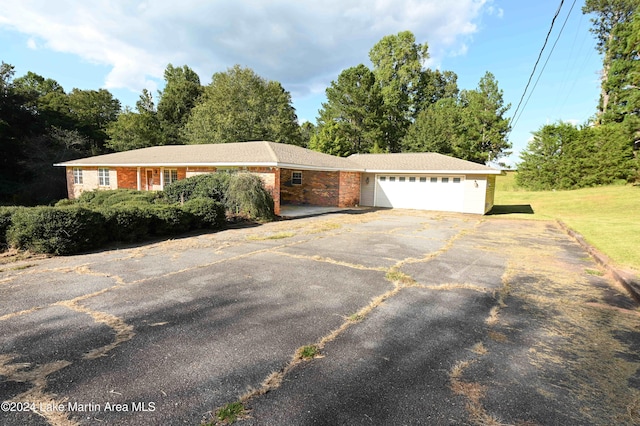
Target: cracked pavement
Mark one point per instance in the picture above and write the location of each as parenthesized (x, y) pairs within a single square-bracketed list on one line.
[(420, 318)]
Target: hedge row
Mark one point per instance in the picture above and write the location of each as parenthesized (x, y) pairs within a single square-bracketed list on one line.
[(5, 222), (100, 217), (116, 197), (63, 230)]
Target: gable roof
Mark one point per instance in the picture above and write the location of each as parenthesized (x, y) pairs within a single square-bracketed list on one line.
[(418, 162), (272, 154)]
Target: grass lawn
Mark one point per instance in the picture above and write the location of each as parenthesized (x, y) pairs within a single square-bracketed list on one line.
[(608, 217)]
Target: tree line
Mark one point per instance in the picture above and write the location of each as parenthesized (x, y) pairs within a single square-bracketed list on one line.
[(397, 105), (603, 150), (41, 124), (400, 106)]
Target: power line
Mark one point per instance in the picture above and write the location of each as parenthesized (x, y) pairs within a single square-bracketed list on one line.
[(546, 62), (546, 40)]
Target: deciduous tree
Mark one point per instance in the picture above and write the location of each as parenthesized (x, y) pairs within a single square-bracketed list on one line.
[(93, 110), (436, 129), (133, 130), (397, 65), (239, 106)]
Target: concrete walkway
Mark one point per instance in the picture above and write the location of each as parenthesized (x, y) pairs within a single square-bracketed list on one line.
[(290, 211)]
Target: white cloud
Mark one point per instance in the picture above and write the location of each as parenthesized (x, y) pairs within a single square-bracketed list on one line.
[(304, 45), (495, 11), (31, 44)]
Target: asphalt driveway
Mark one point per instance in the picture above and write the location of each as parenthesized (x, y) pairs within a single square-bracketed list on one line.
[(419, 318)]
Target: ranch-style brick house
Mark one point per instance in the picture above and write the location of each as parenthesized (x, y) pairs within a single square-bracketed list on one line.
[(299, 176)]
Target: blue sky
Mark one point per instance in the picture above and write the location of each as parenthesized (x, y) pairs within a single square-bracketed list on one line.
[(125, 45)]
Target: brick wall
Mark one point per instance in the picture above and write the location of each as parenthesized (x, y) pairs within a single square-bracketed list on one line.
[(72, 191), (182, 173), (127, 177), (193, 171), (349, 195), (318, 188), (90, 181)]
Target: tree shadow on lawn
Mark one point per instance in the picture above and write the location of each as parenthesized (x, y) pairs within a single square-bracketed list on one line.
[(511, 208)]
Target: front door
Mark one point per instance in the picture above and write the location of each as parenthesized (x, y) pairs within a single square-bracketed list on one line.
[(149, 180)]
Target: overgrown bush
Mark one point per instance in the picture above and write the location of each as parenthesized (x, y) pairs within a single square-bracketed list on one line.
[(168, 220), (5, 222), (127, 223), (56, 230), (113, 197), (211, 185), (65, 202), (207, 213), (247, 196), (242, 193)]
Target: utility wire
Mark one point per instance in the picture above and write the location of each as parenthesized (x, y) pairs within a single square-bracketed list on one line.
[(546, 40), (545, 62)]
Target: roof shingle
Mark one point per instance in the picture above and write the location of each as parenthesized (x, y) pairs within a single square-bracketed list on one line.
[(417, 162), (263, 153)]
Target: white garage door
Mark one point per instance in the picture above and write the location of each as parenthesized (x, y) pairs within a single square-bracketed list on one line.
[(443, 193)]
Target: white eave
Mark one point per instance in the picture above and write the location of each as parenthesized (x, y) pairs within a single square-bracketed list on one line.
[(227, 164)]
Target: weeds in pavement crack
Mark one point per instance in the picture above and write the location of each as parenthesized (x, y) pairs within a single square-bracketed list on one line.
[(36, 398)]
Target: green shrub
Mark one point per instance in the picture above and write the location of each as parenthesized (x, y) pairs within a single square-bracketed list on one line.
[(247, 196), (211, 185), (56, 230), (168, 220), (207, 213), (65, 202), (108, 198), (5, 222), (127, 223)]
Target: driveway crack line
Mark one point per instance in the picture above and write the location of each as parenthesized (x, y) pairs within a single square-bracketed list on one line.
[(398, 279), (332, 261)]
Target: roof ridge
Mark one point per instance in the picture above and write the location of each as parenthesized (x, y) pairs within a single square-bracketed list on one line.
[(272, 152)]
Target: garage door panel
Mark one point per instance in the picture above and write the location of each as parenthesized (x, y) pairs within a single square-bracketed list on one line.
[(442, 195)]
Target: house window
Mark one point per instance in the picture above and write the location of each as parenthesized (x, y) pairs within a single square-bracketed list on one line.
[(170, 176), (383, 178), (445, 180), (456, 180), (433, 180), (296, 178), (392, 178), (423, 179), (412, 179), (103, 177), (401, 179), (77, 176)]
